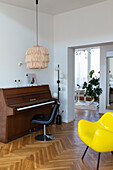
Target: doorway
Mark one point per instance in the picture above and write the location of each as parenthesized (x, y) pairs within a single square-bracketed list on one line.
[(70, 107), (109, 83)]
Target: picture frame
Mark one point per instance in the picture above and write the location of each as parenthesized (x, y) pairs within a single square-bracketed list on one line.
[(31, 79)]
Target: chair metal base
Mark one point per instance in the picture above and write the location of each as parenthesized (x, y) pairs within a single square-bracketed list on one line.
[(44, 138)]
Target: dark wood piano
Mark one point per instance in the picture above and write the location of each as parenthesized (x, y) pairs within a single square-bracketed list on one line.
[(17, 108)]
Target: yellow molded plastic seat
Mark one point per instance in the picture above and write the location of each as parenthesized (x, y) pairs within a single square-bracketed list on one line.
[(97, 135)]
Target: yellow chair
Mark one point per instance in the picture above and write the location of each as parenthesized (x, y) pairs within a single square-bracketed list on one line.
[(97, 135)]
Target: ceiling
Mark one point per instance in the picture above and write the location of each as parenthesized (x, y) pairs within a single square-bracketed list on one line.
[(53, 7)]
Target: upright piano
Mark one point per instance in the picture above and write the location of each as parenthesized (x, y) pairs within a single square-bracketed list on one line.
[(17, 108)]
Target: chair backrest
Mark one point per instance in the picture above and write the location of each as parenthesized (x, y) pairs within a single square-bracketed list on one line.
[(106, 121), (54, 112)]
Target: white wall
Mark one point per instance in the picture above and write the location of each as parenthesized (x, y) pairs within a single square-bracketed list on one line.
[(17, 34), (89, 25)]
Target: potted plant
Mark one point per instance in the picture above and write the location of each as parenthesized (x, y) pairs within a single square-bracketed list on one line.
[(93, 87)]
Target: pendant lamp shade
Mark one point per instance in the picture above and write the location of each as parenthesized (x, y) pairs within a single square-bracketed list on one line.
[(37, 57)]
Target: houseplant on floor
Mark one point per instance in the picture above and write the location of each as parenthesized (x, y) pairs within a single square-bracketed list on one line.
[(93, 87)]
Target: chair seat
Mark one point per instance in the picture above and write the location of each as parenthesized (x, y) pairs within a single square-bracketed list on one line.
[(41, 117), (86, 131)]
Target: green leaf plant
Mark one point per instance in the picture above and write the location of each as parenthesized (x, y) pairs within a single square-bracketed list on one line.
[(93, 87)]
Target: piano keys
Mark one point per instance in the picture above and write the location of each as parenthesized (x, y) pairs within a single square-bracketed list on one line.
[(17, 108)]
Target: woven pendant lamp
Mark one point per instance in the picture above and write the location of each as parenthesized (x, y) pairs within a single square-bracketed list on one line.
[(37, 57)]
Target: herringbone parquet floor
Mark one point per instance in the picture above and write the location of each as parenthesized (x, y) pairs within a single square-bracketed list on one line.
[(63, 153)]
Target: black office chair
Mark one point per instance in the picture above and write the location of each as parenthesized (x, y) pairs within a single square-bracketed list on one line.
[(46, 120)]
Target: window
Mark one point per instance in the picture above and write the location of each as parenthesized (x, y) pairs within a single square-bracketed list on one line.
[(95, 60), (81, 67), (86, 60)]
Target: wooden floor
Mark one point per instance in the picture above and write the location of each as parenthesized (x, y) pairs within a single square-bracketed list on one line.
[(63, 153)]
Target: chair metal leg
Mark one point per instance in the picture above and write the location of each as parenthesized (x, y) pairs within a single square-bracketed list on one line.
[(98, 160), (85, 152), (44, 132)]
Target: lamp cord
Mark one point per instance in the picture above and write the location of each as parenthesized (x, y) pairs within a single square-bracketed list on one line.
[(37, 22)]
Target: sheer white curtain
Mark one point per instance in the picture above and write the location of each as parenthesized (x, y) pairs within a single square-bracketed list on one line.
[(86, 60), (81, 67), (95, 61)]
